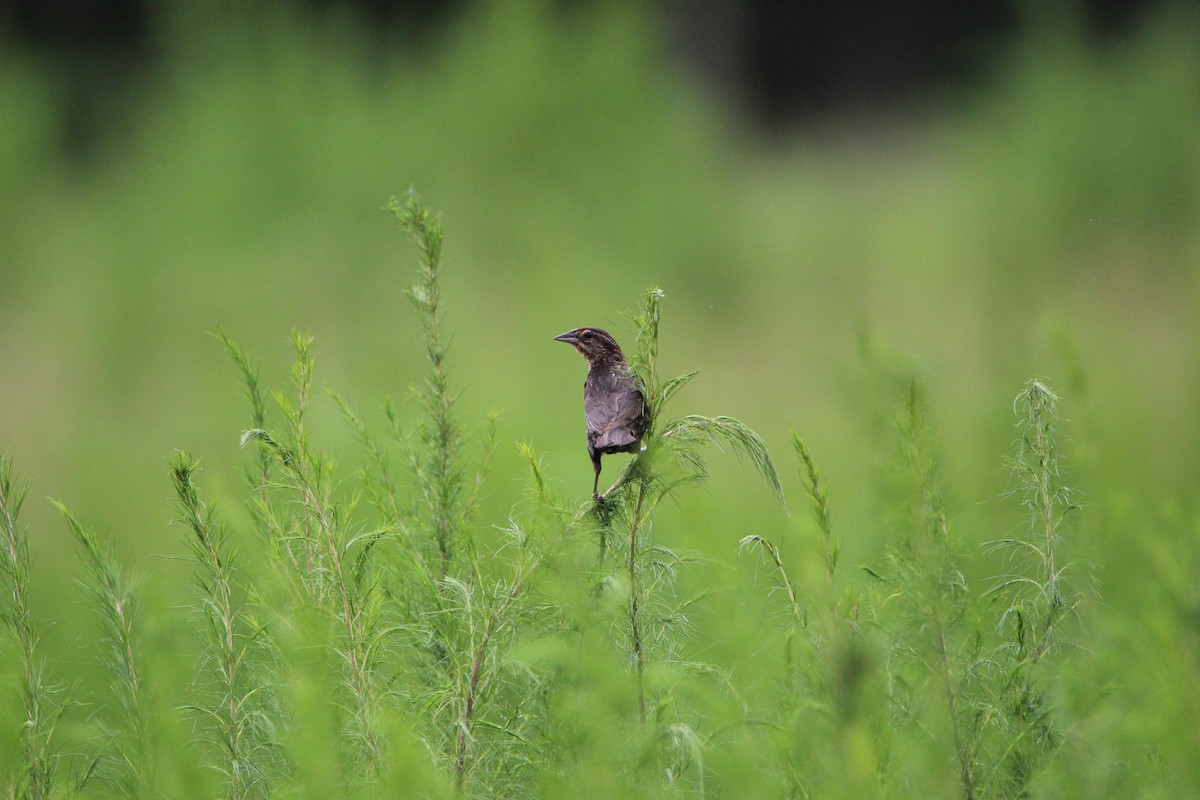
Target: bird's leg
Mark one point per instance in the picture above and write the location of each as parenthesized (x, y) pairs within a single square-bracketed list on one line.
[(596, 484)]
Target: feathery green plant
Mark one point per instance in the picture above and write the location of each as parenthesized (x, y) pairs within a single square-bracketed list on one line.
[(248, 371), (438, 468), (672, 454), (934, 641), (1035, 469), (459, 606), (229, 713), (361, 646), (408, 594), (1034, 590), (818, 490), (325, 560), (825, 664), (819, 493), (127, 732), (38, 775)]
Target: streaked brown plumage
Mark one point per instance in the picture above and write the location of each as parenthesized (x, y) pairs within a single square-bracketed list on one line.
[(613, 405)]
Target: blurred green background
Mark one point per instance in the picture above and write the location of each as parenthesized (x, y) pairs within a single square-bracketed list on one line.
[(1041, 219)]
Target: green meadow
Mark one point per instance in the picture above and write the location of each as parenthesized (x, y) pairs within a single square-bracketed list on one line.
[(295, 498)]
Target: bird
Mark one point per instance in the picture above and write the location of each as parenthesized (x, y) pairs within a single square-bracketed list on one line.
[(613, 404)]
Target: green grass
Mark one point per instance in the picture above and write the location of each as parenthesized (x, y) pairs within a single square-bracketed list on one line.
[(415, 609), (518, 657), (371, 593)]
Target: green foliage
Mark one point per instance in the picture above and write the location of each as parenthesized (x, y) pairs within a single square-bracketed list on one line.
[(127, 727), (42, 768), (348, 645), (1081, 144), (925, 682), (36, 773), (229, 711), (1039, 223)]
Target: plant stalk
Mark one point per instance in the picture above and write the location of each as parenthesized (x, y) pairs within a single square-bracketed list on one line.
[(635, 629)]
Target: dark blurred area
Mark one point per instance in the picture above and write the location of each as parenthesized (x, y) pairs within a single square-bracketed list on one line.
[(781, 63)]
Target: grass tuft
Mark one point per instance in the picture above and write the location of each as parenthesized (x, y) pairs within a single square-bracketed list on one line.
[(38, 774), (370, 632)]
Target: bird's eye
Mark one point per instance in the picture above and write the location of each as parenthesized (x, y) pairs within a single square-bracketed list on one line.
[(589, 335)]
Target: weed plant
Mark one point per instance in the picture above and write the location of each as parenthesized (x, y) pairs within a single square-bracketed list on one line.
[(367, 635), (125, 726), (38, 768)]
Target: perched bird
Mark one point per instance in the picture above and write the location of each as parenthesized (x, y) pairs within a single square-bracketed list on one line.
[(613, 405)]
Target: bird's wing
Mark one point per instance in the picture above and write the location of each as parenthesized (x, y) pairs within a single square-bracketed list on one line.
[(615, 419)]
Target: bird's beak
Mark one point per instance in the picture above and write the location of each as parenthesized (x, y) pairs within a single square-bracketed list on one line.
[(569, 337)]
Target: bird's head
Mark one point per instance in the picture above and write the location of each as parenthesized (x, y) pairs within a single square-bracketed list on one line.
[(594, 344)]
